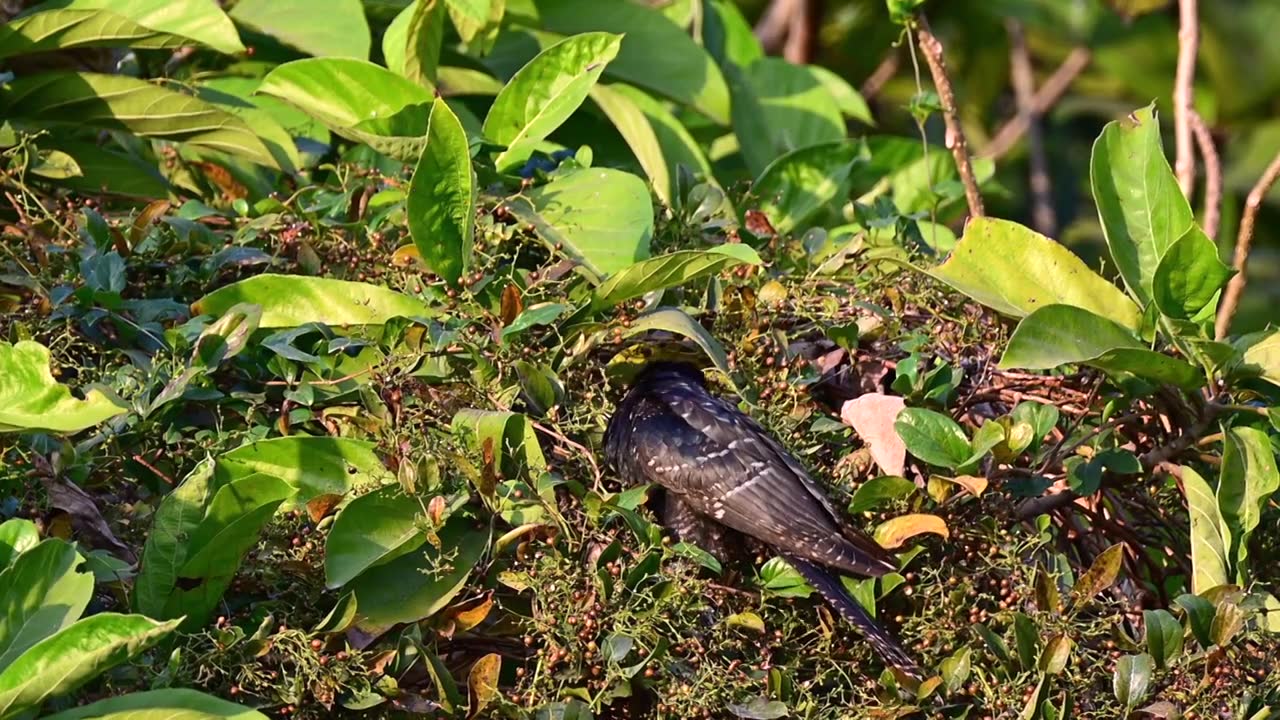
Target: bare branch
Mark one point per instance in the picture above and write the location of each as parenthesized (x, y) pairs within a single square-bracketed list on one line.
[(775, 24), (932, 49), (1235, 288), (1053, 88), (1212, 175), (1183, 94), (1024, 88), (885, 71), (802, 33)]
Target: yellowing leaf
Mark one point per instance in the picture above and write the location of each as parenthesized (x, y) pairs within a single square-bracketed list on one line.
[(893, 533), (31, 399)]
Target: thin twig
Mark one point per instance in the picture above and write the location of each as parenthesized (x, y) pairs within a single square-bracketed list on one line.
[(1183, 94), (802, 32), (1212, 175), (932, 49), (1235, 288), (590, 456), (885, 71), (1043, 217), (163, 476), (1053, 88), (774, 25)]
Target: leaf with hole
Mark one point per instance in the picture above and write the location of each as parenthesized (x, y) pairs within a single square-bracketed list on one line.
[(31, 399)]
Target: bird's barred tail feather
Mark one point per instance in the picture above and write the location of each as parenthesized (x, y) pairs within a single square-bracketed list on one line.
[(881, 641)]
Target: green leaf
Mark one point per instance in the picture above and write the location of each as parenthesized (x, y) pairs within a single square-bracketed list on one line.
[(148, 24), (1164, 636), (780, 579), (411, 44), (759, 708), (313, 465), (599, 217), (358, 100), (166, 551), (1209, 540), (545, 92), (372, 529), (677, 321), (796, 106), (233, 517), (850, 101), (1057, 335), (1100, 575), (515, 443), (1016, 271), (1143, 211), (1261, 355), (727, 35), (59, 664), (314, 27), (419, 584), (442, 197), (293, 300), (670, 270), (1248, 480), (30, 399), (534, 316), (167, 704), (933, 437), (17, 535), (1132, 679), (117, 102), (101, 167), (800, 183), (1027, 640), (43, 592), (682, 71), (1057, 652), (955, 670), (1189, 275), (656, 137), (876, 491)]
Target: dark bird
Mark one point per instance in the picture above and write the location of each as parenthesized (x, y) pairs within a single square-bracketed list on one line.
[(722, 473)]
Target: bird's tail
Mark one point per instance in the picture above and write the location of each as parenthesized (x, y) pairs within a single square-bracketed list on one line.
[(881, 641)]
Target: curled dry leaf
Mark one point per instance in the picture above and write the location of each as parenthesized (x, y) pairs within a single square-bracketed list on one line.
[(872, 416), (893, 533)]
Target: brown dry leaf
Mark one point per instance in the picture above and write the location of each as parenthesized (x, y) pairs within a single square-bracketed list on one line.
[(149, 215), (512, 304), (319, 507), (482, 681), (88, 522), (470, 613), (893, 533), (975, 485), (407, 255), (872, 416)]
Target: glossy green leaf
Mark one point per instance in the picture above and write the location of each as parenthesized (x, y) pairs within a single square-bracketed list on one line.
[(166, 551), (293, 300), (31, 399), (1057, 335), (1132, 679), (313, 465), (419, 584), (955, 670), (344, 31), (59, 664), (1199, 616), (1189, 275), (1027, 640), (545, 92), (232, 520), (1101, 575), (879, 490), (1261, 355), (1209, 540), (371, 529), (17, 535), (1016, 271), (1248, 479), (1164, 636), (148, 24), (796, 106), (933, 437), (516, 450), (358, 100), (670, 270), (656, 137), (1143, 211), (800, 183), (411, 44), (727, 35), (780, 579), (166, 704), (442, 197), (599, 217), (117, 102), (682, 71), (534, 316), (43, 592)]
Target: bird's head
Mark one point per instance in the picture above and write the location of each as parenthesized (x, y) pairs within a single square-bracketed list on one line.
[(654, 355)]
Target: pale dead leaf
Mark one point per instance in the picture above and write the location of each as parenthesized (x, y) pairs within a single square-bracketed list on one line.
[(872, 416)]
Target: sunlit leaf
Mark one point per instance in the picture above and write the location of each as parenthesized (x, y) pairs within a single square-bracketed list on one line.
[(933, 437), (1132, 679), (155, 24), (373, 528), (1189, 275), (31, 399), (343, 32), (293, 300), (1209, 539), (166, 704), (1248, 479), (1100, 575), (798, 184), (895, 532), (313, 465), (42, 592), (442, 197), (670, 270)]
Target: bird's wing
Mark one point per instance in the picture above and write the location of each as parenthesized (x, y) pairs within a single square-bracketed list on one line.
[(729, 428), (756, 494)]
